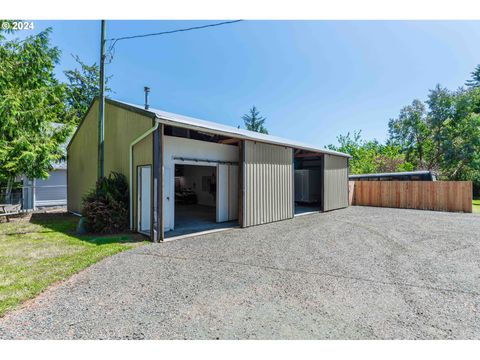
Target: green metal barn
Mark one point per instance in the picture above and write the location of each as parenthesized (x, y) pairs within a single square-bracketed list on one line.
[(189, 175)]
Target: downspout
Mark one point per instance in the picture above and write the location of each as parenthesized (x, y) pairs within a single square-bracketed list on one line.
[(132, 144)]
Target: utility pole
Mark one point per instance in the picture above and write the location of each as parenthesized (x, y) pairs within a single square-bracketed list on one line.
[(101, 104)]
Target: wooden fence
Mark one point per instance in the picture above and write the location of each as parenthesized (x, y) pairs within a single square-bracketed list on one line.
[(453, 196)]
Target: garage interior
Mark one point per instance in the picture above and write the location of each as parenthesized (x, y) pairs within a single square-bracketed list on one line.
[(195, 197), (202, 185), (196, 201), (308, 181)]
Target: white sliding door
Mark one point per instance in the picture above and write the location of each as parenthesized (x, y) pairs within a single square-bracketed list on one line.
[(168, 198), (222, 193), (227, 192), (144, 199), (233, 192)]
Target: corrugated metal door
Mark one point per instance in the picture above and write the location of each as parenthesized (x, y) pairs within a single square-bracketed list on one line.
[(268, 182), (335, 182)]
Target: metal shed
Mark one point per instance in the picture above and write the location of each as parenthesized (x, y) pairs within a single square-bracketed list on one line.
[(177, 165), (419, 175)]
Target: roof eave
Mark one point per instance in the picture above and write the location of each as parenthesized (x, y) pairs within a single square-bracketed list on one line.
[(172, 122)]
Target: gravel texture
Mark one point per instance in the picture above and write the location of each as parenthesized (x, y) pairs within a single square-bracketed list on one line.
[(356, 273)]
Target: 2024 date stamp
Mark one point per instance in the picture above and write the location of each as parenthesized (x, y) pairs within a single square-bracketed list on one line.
[(18, 25)]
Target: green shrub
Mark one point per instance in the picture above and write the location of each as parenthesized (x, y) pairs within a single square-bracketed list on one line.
[(105, 208)]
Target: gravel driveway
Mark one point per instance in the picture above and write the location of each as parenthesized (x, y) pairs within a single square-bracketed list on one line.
[(357, 273)]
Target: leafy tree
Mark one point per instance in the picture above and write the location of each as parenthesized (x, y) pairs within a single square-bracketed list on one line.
[(254, 122), (82, 87), (461, 148), (474, 81), (459, 137), (410, 132), (31, 101), (371, 156), (390, 159), (444, 133), (440, 108)]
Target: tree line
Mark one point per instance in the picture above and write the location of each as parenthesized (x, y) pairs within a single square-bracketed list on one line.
[(441, 134)]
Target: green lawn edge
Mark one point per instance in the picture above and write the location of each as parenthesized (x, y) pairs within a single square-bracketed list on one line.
[(36, 255), (476, 206)]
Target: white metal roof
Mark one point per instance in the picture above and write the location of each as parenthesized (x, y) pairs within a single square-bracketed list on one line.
[(226, 130)]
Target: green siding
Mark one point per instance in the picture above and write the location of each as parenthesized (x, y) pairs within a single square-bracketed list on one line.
[(122, 127), (82, 160)]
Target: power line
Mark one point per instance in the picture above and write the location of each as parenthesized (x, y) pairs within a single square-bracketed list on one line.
[(175, 31), (115, 40)]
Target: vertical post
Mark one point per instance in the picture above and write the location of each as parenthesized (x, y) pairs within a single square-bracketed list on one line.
[(161, 184), (245, 210), (240, 183), (348, 182), (158, 179), (293, 183), (101, 107), (322, 175)]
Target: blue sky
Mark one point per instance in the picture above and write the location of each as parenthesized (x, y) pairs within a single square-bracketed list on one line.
[(312, 80)]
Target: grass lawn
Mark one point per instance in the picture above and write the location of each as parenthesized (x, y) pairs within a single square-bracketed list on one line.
[(476, 206), (37, 252)]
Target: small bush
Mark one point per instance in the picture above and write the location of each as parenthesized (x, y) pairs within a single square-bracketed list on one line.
[(105, 208)]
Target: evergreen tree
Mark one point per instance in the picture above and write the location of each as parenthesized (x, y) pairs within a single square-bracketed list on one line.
[(31, 101), (475, 79), (254, 122), (82, 87)]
